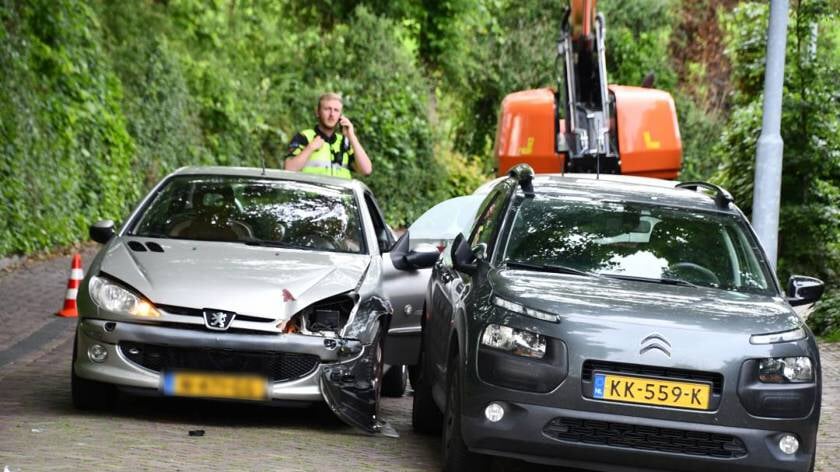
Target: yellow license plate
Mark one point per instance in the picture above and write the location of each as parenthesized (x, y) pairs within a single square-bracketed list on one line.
[(651, 391), (212, 385)]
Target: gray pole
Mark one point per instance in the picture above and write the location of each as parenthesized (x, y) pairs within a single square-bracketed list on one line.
[(768, 160)]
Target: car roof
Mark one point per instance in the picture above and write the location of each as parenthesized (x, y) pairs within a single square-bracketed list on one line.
[(260, 173), (625, 188), (629, 188)]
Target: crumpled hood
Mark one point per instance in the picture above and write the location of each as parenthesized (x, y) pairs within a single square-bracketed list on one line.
[(236, 277), (607, 301)]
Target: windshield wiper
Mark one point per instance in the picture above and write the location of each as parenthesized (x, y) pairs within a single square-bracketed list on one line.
[(556, 268), (267, 243), (663, 280)]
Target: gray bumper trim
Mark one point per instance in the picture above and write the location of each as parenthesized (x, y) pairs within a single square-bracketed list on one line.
[(328, 349)]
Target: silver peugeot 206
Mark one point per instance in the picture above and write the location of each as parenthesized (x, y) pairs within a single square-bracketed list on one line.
[(243, 284)]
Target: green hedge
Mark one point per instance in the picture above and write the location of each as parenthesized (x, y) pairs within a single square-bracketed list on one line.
[(99, 100), (66, 155), (809, 237)]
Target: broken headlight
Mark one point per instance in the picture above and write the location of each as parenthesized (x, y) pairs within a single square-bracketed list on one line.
[(325, 318)]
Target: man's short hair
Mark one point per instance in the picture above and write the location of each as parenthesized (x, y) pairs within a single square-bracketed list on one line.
[(328, 96)]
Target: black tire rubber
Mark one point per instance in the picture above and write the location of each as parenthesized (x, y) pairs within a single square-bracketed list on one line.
[(456, 456), (413, 375), (89, 394), (395, 381), (426, 417)]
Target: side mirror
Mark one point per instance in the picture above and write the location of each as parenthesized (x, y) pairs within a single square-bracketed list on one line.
[(404, 259), (463, 258), (422, 260), (102, 231), (802, 290)]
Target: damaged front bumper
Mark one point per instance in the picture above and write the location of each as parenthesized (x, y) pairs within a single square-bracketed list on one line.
[(341, 372)]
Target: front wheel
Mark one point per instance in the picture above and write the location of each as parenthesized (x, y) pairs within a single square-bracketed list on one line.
[(395, 381), (456, 455), (425, 415)]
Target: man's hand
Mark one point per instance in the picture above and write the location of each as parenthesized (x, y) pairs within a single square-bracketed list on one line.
[(346, 126), (316, 143)]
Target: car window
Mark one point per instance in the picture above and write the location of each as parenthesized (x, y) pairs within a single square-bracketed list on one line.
[(257, 211), (486, 224), (446, 219), (637, 240), (383, 234)]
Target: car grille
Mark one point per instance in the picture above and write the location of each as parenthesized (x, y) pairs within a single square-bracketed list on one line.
[(199, 313), (650, 371), (276, 366), (645, 438)]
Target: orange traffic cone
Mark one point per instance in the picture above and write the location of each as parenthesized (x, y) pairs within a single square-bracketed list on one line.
[(76, 276)]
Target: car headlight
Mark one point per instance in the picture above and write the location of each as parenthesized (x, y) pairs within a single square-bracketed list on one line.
[(783, 337), (112, 297), (515, 341), (523, 310), (785, 369)]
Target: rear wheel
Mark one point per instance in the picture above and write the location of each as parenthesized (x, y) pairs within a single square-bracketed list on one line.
[(395, 381), (90, 394), (456, 456)]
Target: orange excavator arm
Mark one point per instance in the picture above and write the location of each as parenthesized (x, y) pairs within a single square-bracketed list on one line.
[(584, 125)]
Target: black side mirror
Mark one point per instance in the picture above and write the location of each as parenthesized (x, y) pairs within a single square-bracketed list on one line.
[(404, 259), (802, 290), (422, 260), (463, 257), (102, 231)]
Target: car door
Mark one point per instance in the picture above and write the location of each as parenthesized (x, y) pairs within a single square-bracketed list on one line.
[(451, 286), (406, 287)]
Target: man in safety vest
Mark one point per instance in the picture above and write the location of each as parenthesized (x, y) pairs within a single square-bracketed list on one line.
[(325, 151)]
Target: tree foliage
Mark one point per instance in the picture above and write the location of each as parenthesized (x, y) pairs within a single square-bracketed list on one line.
[(100, 99), (810, 207)]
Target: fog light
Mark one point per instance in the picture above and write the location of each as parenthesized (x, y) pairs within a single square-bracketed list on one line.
[(97, 353), (789, 444), (494, 412)]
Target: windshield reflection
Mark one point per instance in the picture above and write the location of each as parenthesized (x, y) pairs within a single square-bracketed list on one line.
[(275, 213), (676, 246)]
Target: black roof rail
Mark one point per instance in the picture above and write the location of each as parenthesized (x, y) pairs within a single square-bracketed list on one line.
[(524, 174), (722, 197)]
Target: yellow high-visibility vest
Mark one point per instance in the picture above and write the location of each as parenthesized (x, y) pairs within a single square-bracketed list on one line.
[(333, 158)]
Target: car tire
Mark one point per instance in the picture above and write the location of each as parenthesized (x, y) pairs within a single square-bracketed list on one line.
[(90, 394), (426, 417), (413, 375), (395, 381), (456, 455)]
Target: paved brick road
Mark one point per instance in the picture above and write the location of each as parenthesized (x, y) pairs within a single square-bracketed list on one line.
[(39, 429)]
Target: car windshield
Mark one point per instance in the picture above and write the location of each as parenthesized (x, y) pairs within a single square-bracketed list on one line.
[(446, 219), (636, 241), (281, 213)]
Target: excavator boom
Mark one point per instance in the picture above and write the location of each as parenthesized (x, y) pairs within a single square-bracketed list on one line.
[(584, 124)]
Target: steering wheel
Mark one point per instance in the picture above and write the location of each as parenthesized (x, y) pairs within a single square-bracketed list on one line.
[(705, 273), (317, 241)]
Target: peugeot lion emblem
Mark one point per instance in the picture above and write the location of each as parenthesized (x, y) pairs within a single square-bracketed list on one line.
[(655, 341), (218, 320)]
